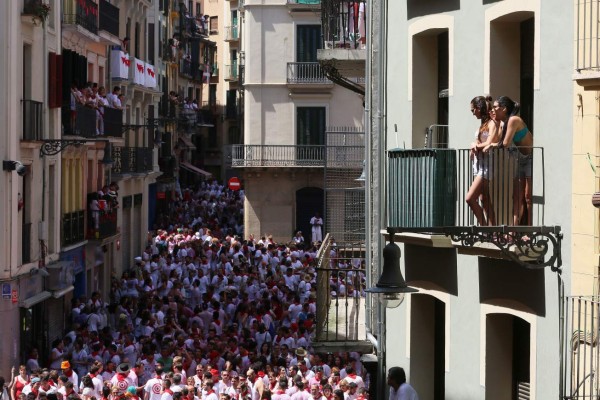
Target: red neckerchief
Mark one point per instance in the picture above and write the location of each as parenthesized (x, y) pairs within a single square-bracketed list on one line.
[(121, 377), (210, 391), (169, 391), (352, 376), (92, 375), (70, 374)]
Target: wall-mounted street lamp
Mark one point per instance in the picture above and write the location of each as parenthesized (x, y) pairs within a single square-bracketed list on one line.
[(391, 286)]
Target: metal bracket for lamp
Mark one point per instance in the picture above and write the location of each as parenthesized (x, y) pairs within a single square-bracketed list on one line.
[(526, 246), (532, 247), (51, 147)]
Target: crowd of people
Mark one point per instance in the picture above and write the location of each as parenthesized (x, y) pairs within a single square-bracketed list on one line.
[(201, 314)]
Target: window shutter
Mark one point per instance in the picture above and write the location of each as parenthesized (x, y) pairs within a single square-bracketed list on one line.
[(59, 80), (151, 44), (52, 80)]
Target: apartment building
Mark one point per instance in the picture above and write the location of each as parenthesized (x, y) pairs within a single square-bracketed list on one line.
[(59, 246), (289, 106), (486, 321)]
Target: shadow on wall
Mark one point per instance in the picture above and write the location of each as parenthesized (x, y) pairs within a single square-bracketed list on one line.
[(430, 264), (490, 1), (504, 280), (419, 8)]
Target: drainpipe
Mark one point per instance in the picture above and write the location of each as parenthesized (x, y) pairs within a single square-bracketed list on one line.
[(367, 124)]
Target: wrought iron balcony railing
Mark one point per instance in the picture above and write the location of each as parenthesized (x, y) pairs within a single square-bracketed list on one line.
[(344, 24), (84, 121), (102, 224), (73, 227), (428, 187), (277, 155), (231, 33), (231, 72), (128, 160), (32, 120), (109, 18), (81, 12), (341, 308), (306, 73)]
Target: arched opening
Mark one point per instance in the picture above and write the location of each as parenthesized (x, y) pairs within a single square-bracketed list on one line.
[(428, 346), (308, 201), (507, 360)]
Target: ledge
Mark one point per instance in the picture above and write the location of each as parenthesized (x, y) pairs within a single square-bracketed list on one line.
[(421, 239), (589, 80), (361, 346)]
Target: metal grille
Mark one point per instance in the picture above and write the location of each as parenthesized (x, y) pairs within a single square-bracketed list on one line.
[(344, 194)]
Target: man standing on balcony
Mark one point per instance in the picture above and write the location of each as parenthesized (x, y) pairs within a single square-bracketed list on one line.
[(316, 222)]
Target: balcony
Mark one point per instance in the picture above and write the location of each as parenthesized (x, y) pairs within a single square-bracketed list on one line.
[(84, 122), (231, 72), (306, 75), (81, 14), (73, 228), (344, 40), (102, 224), (297, 6), (108, 20), (231, 33), (341, 311), (277, 156), (33, 127), (131, 160), (189, 70), (587, 57), (427, 187)]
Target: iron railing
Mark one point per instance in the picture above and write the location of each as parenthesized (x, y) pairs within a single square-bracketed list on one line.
[(231, 72), (428, 187), (231, 33), (102, 224), (436, 137), (33, 127), (306, 72), (73, 227), (344, 24), (81, 12), (113, 122), (340, 305), (277, 155), (127, 160), (580, 349), (80, 123), (109, 18), (587, 34)]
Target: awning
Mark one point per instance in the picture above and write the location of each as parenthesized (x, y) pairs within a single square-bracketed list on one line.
[(195, 170), (60, 293), (187, 142), (33, 300)]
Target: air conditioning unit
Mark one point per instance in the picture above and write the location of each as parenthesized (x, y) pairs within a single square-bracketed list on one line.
[(61, 275)]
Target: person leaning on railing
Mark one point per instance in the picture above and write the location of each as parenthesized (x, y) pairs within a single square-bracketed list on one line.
[(488, 133), (516, 134)]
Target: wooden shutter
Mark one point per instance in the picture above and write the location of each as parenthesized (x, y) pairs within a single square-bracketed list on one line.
[(52, 80)]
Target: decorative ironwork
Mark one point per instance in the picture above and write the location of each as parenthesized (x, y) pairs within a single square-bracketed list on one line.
[(51, 147), (532, 247), (334, 75)]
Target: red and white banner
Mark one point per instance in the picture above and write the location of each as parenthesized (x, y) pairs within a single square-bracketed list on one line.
[(150, 76), (139, 68), (119, 64)]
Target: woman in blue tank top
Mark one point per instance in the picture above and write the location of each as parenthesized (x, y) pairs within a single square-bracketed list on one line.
[(516, 134)]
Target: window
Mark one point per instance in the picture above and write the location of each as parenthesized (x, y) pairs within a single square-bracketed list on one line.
[(310, 125), (308, 41), (212, 95), (214, 25)]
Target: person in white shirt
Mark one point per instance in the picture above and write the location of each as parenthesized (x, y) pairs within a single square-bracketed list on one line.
[(316, 222), (399, 389)]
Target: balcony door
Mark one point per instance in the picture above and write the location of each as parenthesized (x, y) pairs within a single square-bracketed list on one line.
[(308, 41), (310, 125)]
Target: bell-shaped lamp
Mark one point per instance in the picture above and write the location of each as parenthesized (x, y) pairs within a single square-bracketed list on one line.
[(391, 286)]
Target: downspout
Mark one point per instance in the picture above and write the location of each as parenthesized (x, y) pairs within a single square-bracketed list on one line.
[(368, 211), (46, 135)]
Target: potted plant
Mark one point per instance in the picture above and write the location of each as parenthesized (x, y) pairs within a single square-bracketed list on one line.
[(38, 10)]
